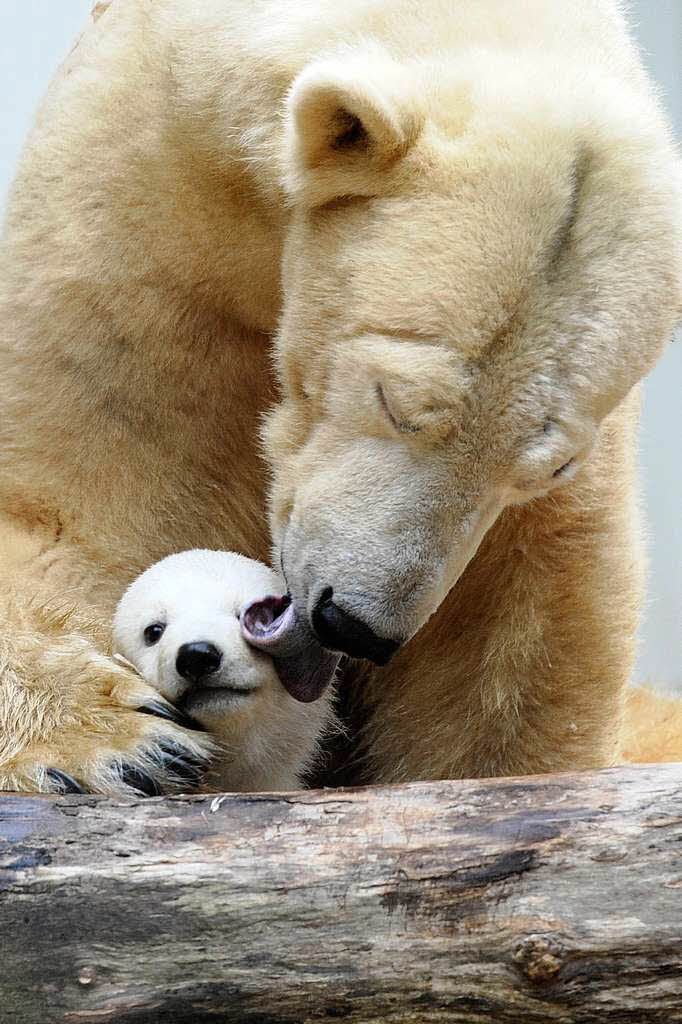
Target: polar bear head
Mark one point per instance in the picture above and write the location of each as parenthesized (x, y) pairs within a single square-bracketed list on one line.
[(179, 625), (479, 268)]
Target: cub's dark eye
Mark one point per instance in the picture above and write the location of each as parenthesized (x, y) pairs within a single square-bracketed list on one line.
[(153, 633)]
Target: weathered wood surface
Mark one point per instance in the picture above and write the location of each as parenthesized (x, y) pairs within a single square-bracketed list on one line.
[(550, 899)]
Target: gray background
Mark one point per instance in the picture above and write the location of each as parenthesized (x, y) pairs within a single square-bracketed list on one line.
[(36, 34)]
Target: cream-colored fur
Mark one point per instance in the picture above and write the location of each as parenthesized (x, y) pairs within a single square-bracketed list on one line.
[(267, 739), (468, 217), (653, 724)]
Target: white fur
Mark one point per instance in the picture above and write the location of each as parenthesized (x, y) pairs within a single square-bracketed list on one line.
[(269, 739)]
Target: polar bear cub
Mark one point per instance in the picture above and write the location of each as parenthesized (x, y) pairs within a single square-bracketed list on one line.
[(179, 625)]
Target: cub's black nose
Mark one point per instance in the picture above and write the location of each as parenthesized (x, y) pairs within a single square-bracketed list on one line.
[(340, 631), (196, 661)]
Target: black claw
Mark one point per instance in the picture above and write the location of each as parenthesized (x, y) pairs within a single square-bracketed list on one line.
[(63, 783), (182, 763), (140, 781), (173, 714)]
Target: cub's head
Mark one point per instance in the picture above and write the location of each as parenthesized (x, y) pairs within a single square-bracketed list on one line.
[(482, 262), (179, 624)]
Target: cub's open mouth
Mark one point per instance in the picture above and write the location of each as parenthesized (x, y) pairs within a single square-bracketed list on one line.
[(266, 620), (304, 667)]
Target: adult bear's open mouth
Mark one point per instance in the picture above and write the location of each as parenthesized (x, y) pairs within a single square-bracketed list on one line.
[(304, 667)]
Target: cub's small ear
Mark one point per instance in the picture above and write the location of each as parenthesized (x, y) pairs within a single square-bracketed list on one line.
[(347, 123)]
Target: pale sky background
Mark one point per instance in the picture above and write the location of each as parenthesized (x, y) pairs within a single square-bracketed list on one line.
[(36, 34)]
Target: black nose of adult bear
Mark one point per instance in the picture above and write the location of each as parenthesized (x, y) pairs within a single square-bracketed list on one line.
[(196, 661), (340, 631)]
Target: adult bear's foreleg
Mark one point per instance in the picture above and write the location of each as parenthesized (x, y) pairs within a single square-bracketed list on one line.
[(73, 719)]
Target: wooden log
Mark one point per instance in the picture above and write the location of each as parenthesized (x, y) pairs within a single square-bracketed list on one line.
[(534, 900)]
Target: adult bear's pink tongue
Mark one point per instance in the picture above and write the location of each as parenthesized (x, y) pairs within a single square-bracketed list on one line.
[(304, 667)]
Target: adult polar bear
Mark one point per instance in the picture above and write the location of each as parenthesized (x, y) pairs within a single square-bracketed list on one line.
[(467, 216)]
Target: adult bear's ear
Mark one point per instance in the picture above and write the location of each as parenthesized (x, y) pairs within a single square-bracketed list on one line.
[(347, 123)]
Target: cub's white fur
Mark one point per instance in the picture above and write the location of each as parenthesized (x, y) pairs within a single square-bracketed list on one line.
[(269, 738)]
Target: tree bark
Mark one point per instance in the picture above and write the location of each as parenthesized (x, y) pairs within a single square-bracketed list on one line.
[(546, 899)]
